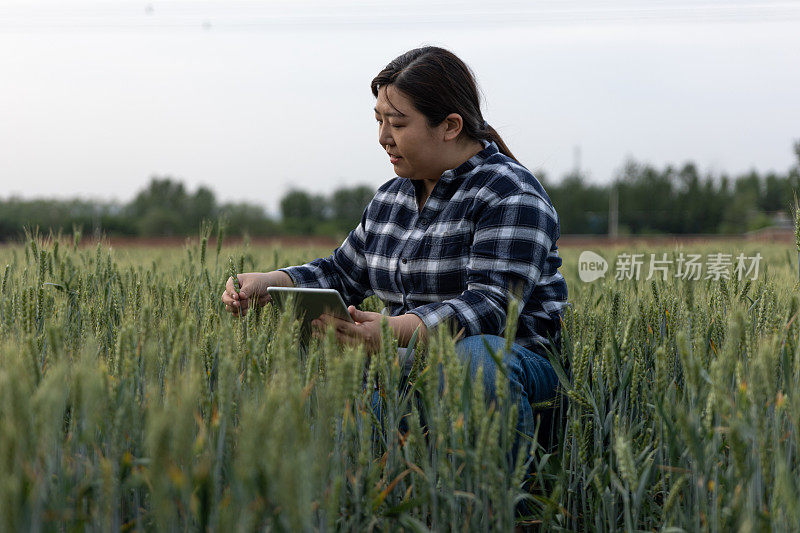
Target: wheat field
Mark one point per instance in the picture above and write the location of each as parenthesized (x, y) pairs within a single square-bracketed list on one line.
[(130, 400)]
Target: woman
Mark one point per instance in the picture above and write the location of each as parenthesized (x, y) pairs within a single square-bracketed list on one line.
[(461, 227)]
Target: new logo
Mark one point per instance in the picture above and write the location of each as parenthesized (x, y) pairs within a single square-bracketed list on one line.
[(591, 266)]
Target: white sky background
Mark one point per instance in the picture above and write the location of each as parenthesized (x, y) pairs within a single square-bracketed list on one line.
[(254, 98)]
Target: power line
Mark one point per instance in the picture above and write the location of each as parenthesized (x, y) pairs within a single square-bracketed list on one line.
[(366, 15)]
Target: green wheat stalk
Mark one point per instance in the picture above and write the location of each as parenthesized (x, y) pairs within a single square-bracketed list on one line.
[(797, 231), (222, 222), (233, 274)]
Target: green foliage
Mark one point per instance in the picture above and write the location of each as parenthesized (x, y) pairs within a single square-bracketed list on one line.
[(673, 200), (650, 201), (166, 208), (306, 214), (130, 400), (302, 212), (684, 414), (347, 206)]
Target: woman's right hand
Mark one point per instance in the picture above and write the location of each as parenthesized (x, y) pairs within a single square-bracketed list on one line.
[(252, 288)]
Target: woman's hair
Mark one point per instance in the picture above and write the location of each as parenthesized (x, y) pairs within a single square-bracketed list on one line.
[(439, 83)]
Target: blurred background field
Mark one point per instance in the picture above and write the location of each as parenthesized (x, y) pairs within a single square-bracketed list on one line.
[(778, 252)]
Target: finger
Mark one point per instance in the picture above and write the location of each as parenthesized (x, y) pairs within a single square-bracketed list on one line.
[(228, 297), (239, 300), (336, 323), (325, 320), (349, 340), (345, 333), (317, 330), (230, 288), (244, 290), (347, 328), (357, 315), (331, 319)]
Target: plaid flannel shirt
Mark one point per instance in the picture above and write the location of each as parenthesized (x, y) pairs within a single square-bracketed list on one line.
[(487, 228)]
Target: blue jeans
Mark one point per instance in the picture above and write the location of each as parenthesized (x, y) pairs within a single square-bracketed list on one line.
[(531, 378)]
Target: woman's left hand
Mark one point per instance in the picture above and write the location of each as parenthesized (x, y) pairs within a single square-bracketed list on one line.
[(366, 330)]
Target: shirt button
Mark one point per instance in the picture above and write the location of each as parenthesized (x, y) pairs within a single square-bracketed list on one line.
[(404, 260), (423, 221)]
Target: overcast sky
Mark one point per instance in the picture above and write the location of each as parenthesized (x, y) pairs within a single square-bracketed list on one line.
[(254, 98)]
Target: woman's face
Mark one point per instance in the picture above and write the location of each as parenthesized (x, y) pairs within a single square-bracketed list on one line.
[(404, 132)]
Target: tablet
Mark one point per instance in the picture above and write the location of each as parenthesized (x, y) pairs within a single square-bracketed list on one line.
[(310, 303)]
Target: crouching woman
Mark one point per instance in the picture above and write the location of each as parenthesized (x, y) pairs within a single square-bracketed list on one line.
[(447, 240)]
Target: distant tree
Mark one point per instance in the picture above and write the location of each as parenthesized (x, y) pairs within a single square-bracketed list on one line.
[(748, 185), (160, 208), (347, 206), (647, 199), (202, 204), (303, 213), (15, 213), (164, 193), (297, 204), (777, 193), (165, 208), (694, 209), (670, 200), (248, 218), (582, 208)]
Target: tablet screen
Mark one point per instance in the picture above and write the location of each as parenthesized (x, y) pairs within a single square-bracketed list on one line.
[(310, 303)]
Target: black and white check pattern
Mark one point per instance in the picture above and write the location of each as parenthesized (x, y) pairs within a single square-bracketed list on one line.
[(487, 228)]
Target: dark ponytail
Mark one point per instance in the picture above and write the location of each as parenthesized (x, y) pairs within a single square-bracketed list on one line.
[(439, 83)]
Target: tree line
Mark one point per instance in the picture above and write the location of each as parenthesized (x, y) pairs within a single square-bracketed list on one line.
[(166, 208), (675, 200), (672, 200)]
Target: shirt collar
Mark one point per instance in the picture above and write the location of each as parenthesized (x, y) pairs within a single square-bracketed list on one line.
[(489, 149)]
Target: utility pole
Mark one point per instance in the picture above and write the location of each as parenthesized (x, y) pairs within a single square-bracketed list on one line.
[(613, 211), (97, 227)]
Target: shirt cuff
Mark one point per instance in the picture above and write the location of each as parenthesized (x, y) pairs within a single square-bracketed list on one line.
[(301, 276), (436, 313)]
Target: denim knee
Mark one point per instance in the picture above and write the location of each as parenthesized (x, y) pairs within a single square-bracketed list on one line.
[(530, 376), (526, 368), (475, 351)]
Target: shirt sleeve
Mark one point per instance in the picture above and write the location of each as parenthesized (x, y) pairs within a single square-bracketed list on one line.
[(344, 270), (512, 240)]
